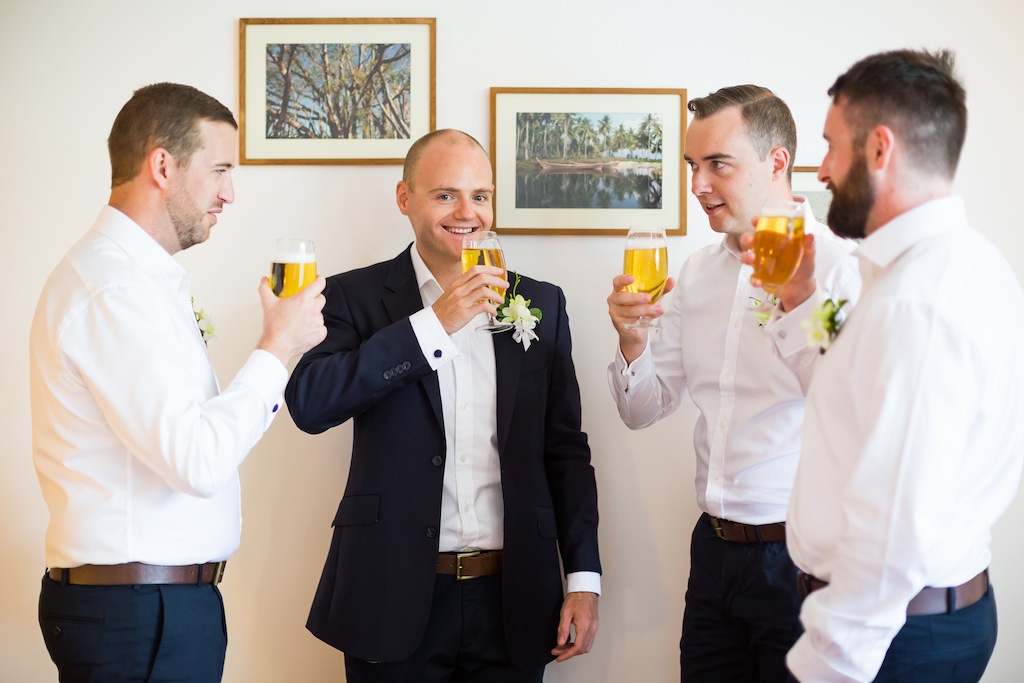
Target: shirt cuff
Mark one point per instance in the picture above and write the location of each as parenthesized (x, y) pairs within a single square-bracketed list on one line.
[(628, 374), (264, 374), (786, 331), (436, 345), (807, 665), (583, 582)]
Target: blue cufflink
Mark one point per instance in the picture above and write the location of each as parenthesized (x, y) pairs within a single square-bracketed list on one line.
[(274, 409), (437, 353)]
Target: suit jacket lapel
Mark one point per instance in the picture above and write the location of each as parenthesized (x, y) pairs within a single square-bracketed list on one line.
[(402, 300), (508, 355)]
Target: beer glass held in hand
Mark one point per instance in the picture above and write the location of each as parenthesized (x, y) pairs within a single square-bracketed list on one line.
[(483, 249), (778, 247), (646, 259), (292, 266)]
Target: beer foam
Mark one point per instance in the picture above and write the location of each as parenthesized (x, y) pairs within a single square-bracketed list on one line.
[(652, 242), (293, 257)]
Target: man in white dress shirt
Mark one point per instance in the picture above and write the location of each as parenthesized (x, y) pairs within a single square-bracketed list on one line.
[(135, 444), (746, 374), (913, 442)]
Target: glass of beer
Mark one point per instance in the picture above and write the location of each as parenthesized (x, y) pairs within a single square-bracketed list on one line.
[(292, 266), (778, 247), (483, 249), (646, 259)]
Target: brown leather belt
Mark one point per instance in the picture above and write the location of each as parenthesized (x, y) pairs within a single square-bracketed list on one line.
[(137, 573), (737, 532), (930, 601), (469, 565)]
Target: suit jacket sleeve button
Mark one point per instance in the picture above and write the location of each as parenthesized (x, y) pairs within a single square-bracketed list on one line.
[(431, 532), (437, 461)]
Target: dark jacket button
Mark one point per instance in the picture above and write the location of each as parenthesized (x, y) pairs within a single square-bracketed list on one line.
[(437, 461), (431, 532)]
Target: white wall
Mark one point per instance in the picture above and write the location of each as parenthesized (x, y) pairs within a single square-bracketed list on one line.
[(67, 67)]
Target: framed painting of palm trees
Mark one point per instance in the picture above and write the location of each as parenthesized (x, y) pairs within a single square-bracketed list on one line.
[(334, 91), (590, 161)]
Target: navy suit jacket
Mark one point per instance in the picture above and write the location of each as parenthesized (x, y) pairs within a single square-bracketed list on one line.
[(374, 596)]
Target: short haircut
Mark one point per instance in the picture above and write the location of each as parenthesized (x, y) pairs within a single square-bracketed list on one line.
[(420, 146), (915, 93), (769, 121), (163, 115)]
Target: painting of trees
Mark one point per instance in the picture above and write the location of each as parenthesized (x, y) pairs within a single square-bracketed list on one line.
[(338, 91), (563, 136)]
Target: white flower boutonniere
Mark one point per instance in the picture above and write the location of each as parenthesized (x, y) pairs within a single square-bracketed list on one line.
[(516, 310), (824, 323), (205, 322)]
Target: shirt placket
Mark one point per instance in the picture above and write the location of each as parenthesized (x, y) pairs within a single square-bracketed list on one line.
[(717, 473), (464, 459)]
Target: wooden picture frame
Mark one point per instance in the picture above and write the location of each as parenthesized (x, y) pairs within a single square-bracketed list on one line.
[(806, 184), (334, 91), (588, 161)]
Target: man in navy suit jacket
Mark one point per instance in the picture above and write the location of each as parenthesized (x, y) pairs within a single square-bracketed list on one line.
[(470, 474)]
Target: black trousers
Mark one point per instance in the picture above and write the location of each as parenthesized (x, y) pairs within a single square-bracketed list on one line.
[(742, 610), (464, 641), (100, 634)]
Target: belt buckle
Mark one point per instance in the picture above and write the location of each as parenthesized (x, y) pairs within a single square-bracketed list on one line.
[(459, 576), (716, 524), (218, 573)]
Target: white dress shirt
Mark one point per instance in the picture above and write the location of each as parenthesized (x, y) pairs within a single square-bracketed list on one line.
[(472, 508), (747, 379), (135, 446), (914, 437)]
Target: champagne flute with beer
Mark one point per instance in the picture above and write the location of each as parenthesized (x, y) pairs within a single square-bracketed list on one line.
[(292, 266), (483, 249), (778, 247), (646, 259)]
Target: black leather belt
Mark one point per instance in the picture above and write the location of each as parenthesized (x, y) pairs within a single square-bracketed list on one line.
[(737, 532), (930, 601), (137, 573), (470, 565)]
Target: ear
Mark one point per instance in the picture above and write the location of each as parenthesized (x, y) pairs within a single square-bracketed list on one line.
[(879, 147), (402, 197), (158, 166), (779, 156)]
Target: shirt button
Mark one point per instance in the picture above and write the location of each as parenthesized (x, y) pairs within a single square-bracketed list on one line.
[(782, 334), (721, 424), (431, 532), (437, 461), (465, 508), (463, 458)]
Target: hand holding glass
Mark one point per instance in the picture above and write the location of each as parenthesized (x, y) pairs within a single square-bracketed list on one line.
[(292, 266), (483, 249), (778, 246), (646, 259)]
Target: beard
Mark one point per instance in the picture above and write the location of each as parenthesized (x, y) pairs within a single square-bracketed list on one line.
[(187, 219), (851, 201)]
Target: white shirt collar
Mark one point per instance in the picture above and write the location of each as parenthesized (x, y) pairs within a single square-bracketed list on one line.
[(135, 242)]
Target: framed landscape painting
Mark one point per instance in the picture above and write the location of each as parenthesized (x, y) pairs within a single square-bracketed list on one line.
[(334, 91), (588, 161)]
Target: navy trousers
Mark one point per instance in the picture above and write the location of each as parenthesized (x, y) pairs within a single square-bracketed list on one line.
[(742, 610), (464, 641), (99, 634), (943, 648)]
